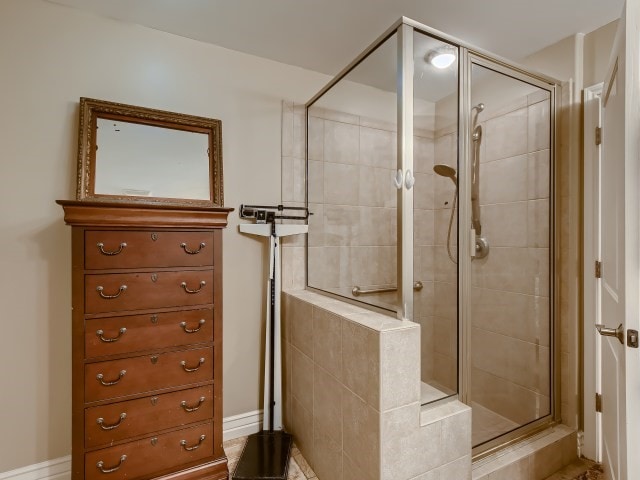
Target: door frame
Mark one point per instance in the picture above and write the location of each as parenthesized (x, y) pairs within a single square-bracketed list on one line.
[(592, 420)]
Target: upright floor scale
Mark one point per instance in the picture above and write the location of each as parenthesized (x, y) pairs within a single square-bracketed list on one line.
[(266, 454)]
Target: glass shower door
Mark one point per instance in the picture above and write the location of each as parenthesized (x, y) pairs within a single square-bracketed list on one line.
[(510, 345)]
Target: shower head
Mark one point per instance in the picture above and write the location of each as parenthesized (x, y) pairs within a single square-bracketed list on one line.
[(446, 171)]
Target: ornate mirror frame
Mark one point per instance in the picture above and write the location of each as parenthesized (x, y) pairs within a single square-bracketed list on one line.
[(92, 109)]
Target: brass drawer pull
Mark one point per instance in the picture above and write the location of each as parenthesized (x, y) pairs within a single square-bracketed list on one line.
[(100, 465), (115, 252), (187, 369), (103, 426), (114, 382), (186, 289), (194, 330), (100, 288), (100, 334), (183, 404), (195, 447), (192, 252)]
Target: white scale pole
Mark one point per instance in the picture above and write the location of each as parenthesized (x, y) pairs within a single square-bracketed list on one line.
[(265, 230)]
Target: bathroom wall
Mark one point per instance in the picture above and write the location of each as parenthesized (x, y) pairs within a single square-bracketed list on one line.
[(50, 57)]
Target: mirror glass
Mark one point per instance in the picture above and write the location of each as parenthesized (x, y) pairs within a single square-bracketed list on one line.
[(151, 161), (135, 154)]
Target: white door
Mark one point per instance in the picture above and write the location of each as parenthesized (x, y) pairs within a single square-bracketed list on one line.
[(620, 249)]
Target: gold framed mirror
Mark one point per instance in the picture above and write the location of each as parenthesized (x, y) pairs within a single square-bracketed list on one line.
[(141, 155)]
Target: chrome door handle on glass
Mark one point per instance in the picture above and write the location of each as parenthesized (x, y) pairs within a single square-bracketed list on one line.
[(611, 332), (100, 245), (100, 334), (103, 426), (192, 252), (189, 369), (108, 383), (188, 290), (192, 330), (100, 289)]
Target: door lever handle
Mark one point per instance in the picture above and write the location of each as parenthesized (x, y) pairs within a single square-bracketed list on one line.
[(611, 332)]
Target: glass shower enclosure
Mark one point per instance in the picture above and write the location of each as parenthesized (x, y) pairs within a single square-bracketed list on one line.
[(430, 177)]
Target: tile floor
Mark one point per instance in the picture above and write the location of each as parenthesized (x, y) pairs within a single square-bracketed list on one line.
[(299, 469)]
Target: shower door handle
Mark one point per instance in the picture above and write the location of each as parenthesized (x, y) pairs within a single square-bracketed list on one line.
[(611, 332), (397, 179), (409, 180)]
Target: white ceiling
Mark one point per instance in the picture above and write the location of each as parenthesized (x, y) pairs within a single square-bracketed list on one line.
[(326, 35)]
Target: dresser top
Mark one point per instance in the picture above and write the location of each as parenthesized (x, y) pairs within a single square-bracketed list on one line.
[(118, 214)]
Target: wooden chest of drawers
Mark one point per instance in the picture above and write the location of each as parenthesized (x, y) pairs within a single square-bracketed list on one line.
[(147, 341)]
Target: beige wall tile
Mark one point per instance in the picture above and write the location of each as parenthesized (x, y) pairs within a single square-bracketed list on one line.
[(341, 225), (506, 136), (518, 470), (302, 430), (287, 189), (408, 450), (327, 341), (538, 218), (446, 300), (399, 368), (423, 300), (539, 174), (361, 361), (376, 227), (456, 436), (545, 462), (341, 184), (287, 129), (300, 325), (423, 154), (375, 187), (424, 263), (327, 406), (446, 150), (424, 191), (445, 370), (460, 468), (360, 421), (445, 336), (505, 224), (442, 218), (520, 270), (299, 131), (316, 138), (504, 180), (302, 379), (316, 225), (444, 192), (327, 457), (539, 126), (445, 270), (423, 223), (341, 142), (352, 471), (378, 148), (316, 181)]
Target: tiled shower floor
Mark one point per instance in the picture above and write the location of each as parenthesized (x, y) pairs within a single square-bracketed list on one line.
[(298, 467)]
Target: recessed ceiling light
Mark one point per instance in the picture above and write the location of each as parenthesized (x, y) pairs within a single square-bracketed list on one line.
[(442, 58)]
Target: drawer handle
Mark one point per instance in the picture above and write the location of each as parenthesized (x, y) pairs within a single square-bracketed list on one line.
[(195, 447), (107, 383), (103, 426), (192, 330), (192, 252), (187, 369), (186, 289), (102, 338), (100, 465), (183, 404), (100, 289), (114, 252)]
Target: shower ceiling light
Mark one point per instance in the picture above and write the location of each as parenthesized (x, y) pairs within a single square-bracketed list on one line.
[(442, 58)]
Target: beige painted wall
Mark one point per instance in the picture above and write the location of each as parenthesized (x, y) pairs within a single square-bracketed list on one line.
[(597, 50), (51, 56)]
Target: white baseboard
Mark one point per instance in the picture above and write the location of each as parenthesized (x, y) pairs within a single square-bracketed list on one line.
[(60, 468), (56, 469), (240, 425)]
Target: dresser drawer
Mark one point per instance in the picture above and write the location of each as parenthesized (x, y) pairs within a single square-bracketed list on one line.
[(133, 333), (141, 291), (142, 458), (117, 378), (119, 421), (128, 249)]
